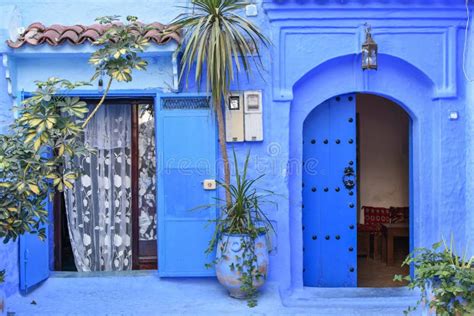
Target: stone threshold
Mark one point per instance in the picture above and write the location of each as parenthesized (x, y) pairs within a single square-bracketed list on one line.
[(363, 300)]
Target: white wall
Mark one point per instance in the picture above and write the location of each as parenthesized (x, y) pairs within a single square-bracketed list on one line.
[(384, 154)]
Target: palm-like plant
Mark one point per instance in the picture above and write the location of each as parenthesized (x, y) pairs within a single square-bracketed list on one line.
[(219, 44)]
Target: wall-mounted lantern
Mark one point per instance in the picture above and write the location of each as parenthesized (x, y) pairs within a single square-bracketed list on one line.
[(369, 50)]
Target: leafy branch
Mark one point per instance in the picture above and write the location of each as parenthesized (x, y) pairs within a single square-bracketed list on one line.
[(49, 129), (118, 56), (32, 157), (446, 280)]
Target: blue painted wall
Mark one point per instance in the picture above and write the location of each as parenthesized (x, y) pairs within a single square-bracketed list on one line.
[(8, 252), (469, 76), (315, 57), (9, 263)]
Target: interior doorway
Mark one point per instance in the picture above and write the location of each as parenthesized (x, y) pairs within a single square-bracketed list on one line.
[(383, 195), (355, 192), (108, 221)]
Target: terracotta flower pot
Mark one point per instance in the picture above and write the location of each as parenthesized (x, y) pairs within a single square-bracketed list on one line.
[(230, 254)]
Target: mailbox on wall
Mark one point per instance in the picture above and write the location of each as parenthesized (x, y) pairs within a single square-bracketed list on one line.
[(234, 117), (253, 116)]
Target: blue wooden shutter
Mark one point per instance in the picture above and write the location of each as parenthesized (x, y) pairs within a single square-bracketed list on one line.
[(329, 210), (34, 257), (186, 151)]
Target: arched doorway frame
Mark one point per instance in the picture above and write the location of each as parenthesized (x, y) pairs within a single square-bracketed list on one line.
[(396, 80)]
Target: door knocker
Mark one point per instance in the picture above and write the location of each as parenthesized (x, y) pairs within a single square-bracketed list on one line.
[(349, 178)]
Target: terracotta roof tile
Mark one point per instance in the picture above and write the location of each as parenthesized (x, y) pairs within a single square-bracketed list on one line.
[(56, 34)]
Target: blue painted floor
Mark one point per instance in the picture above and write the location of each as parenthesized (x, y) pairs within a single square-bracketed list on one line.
[(143, 293)]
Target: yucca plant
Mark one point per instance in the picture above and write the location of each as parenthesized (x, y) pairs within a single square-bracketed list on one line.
[(218, 45), (245, 215)]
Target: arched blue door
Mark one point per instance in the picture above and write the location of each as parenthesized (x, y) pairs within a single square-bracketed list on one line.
[(330, 194)]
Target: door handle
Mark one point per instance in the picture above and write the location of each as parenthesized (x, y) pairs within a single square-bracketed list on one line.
[(349, 178)]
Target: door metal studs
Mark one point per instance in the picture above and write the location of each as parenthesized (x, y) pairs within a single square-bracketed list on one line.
[(351, 269), (313, 189), (327, 237), (338, 141), (351, 205), (326, 189), (351, 249), (351, 141), (337, 189), (338, 237), (326, 141), (313, 141), (314, 237)]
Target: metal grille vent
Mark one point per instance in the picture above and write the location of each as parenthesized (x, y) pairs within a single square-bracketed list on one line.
[(185, 103)]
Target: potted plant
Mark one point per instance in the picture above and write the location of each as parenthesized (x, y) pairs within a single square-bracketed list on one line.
[(241, 237), (446, 281)]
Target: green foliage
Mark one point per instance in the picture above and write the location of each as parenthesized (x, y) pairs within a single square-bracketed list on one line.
[(120, 45), (244, 216), (47, 130), (446, 281), (248, 268)]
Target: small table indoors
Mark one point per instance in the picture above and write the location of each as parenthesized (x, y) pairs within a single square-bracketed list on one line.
[(389, 232)]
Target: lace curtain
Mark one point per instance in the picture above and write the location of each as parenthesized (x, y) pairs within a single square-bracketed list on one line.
[(147, 174), (98, 207)]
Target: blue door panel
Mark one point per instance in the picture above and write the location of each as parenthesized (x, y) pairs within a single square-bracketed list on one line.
[(184, 255), (34, 257), (329, 208), (187, 156)]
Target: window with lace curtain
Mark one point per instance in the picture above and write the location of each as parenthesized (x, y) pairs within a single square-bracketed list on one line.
[(111, 210)]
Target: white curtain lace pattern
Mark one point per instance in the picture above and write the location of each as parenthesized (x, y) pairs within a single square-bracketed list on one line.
[(99, 205), (147, 174)]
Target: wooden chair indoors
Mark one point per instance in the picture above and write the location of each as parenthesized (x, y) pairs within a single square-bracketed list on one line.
[(369, 234), (398, 227), (399, 214)]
